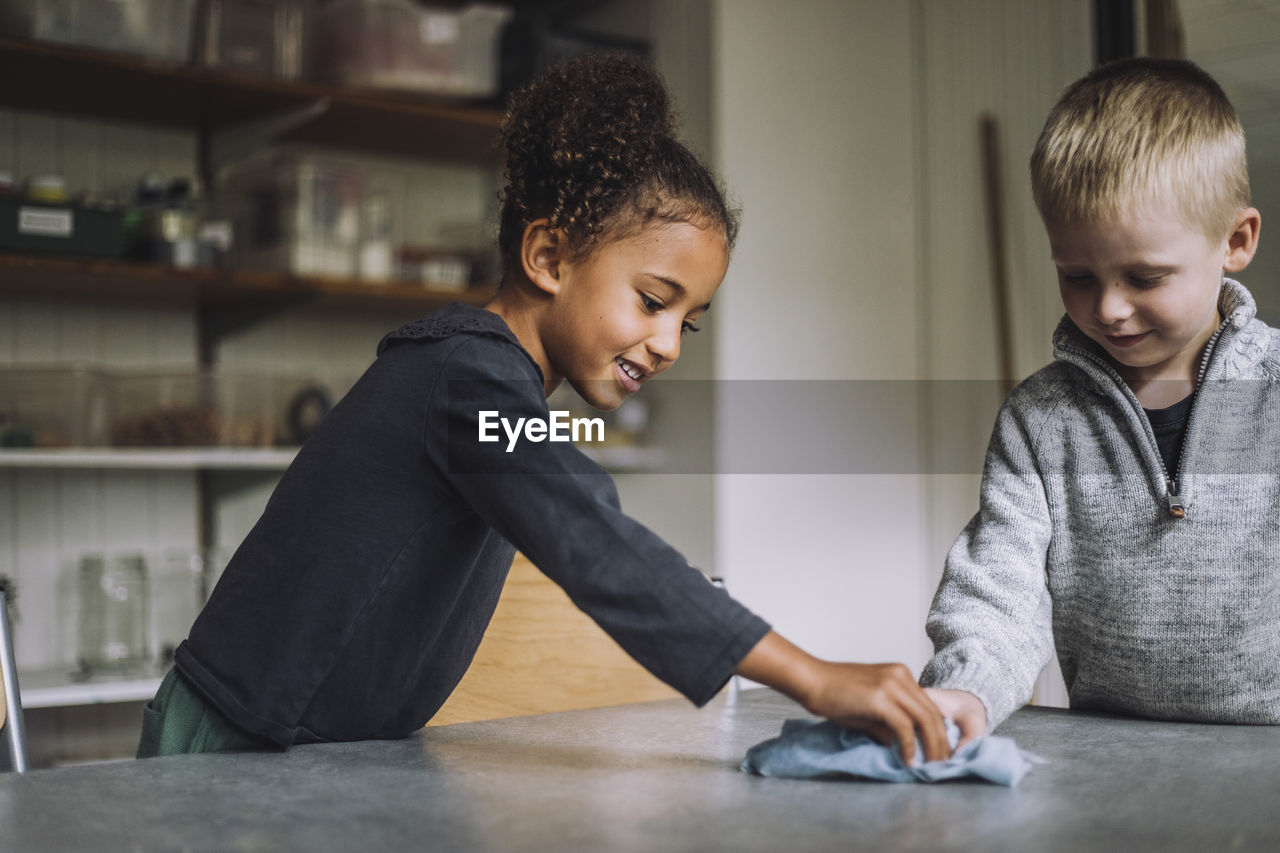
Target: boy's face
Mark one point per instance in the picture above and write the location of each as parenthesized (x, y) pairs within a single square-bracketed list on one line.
[(1143, 285), (619, 314)]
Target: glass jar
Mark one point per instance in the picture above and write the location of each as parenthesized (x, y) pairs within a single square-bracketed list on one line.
[(177, 594), (113, 612)]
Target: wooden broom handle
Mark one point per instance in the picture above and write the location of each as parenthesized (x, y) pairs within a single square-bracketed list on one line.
[(996, 245)]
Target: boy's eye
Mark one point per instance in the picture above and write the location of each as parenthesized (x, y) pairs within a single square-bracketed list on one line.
[(1077, 278), (1146, 280)]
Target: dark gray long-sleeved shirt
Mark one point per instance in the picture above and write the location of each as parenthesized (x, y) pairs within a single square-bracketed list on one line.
[(1075, 543), (355, 605)]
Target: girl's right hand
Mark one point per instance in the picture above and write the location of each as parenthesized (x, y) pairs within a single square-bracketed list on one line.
[(884, 700), (879, 698)]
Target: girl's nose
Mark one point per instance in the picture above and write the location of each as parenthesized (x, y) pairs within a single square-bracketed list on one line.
[(665, 344), (1113, 304)]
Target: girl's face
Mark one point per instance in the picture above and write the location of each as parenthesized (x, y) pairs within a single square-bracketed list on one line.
[(618, 315)]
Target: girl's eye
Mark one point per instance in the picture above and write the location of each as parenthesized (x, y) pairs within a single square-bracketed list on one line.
[(650, 304), (686, 327)]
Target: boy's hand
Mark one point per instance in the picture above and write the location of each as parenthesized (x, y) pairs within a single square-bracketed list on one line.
[(964, 709), (882, 699)]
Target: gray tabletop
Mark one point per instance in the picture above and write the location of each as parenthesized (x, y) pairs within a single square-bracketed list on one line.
[(661, 776)]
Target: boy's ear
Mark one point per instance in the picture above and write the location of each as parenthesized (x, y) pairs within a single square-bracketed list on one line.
[(541, 254), (1243, 240)]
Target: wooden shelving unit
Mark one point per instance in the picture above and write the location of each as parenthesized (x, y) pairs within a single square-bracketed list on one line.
[(215, 104)]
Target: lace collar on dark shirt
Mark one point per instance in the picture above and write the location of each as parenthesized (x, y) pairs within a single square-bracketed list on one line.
[(451, 320), (455, 319)]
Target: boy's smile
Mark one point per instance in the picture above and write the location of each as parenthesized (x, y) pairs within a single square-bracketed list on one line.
[(1144, 285)]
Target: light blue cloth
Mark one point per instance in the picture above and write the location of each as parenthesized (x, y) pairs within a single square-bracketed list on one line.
[(807, 748)]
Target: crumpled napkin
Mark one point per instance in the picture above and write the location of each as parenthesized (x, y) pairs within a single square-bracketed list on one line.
[(806, 749)]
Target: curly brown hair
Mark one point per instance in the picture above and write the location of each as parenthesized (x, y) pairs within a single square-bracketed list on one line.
[(590, 147)]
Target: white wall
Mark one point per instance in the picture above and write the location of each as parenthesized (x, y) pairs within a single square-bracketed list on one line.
[(1239, 44), (850, 132), (815, 130), (1010, 60)]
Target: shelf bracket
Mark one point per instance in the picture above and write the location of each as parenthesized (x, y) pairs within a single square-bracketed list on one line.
[(226, 145), (217, 322)]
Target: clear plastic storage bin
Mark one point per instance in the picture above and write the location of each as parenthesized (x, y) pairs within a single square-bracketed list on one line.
[(396, 44), (51, 407), (160, 29), (296, 213), (46, 407), (259, 36), (205, 409)]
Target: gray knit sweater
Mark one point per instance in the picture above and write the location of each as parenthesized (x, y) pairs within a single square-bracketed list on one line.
[(1152, 614)]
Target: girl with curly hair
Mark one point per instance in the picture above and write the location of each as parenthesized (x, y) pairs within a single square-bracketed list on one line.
[(354, 606)]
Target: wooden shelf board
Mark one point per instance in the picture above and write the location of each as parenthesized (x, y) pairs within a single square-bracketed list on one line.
[(625, 459), (49, 77), (172, 459), (617, 459), (138, 282), (59, 689)]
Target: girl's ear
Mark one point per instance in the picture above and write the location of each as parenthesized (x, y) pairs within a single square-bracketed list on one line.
[(540, 255), (1242, 242)]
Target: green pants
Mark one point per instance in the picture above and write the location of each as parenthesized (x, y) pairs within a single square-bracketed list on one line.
[(179, 720)]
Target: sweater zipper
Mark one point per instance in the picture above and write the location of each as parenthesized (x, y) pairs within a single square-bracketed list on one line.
[(1176, 504), (1177, 507)]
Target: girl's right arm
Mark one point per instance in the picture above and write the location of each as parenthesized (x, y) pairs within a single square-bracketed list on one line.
[(882, 699)]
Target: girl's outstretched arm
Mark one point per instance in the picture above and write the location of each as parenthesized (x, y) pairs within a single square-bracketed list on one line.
[(882, 698)]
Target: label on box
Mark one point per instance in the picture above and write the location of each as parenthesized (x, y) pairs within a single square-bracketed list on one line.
[(45, 221), (439, 28)]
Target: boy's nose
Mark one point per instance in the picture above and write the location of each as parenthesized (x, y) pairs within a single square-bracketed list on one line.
[(1112, 304)]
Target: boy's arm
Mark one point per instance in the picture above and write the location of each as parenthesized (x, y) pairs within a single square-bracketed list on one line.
[(990, 620), (880, 698), (962, 708)]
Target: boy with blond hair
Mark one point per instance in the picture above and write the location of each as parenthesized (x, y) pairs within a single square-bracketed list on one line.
[(1130, 503)]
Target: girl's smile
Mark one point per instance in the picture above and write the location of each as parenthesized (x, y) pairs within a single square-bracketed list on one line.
[(630, 375)]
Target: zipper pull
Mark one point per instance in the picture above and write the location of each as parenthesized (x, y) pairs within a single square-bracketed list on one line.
[(1176, 507)]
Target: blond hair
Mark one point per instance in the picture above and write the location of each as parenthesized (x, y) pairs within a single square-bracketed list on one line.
[(1142, 131)]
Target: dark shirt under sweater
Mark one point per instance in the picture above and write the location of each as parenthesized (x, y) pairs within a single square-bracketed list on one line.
[(356, 603), (1169, 425)]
